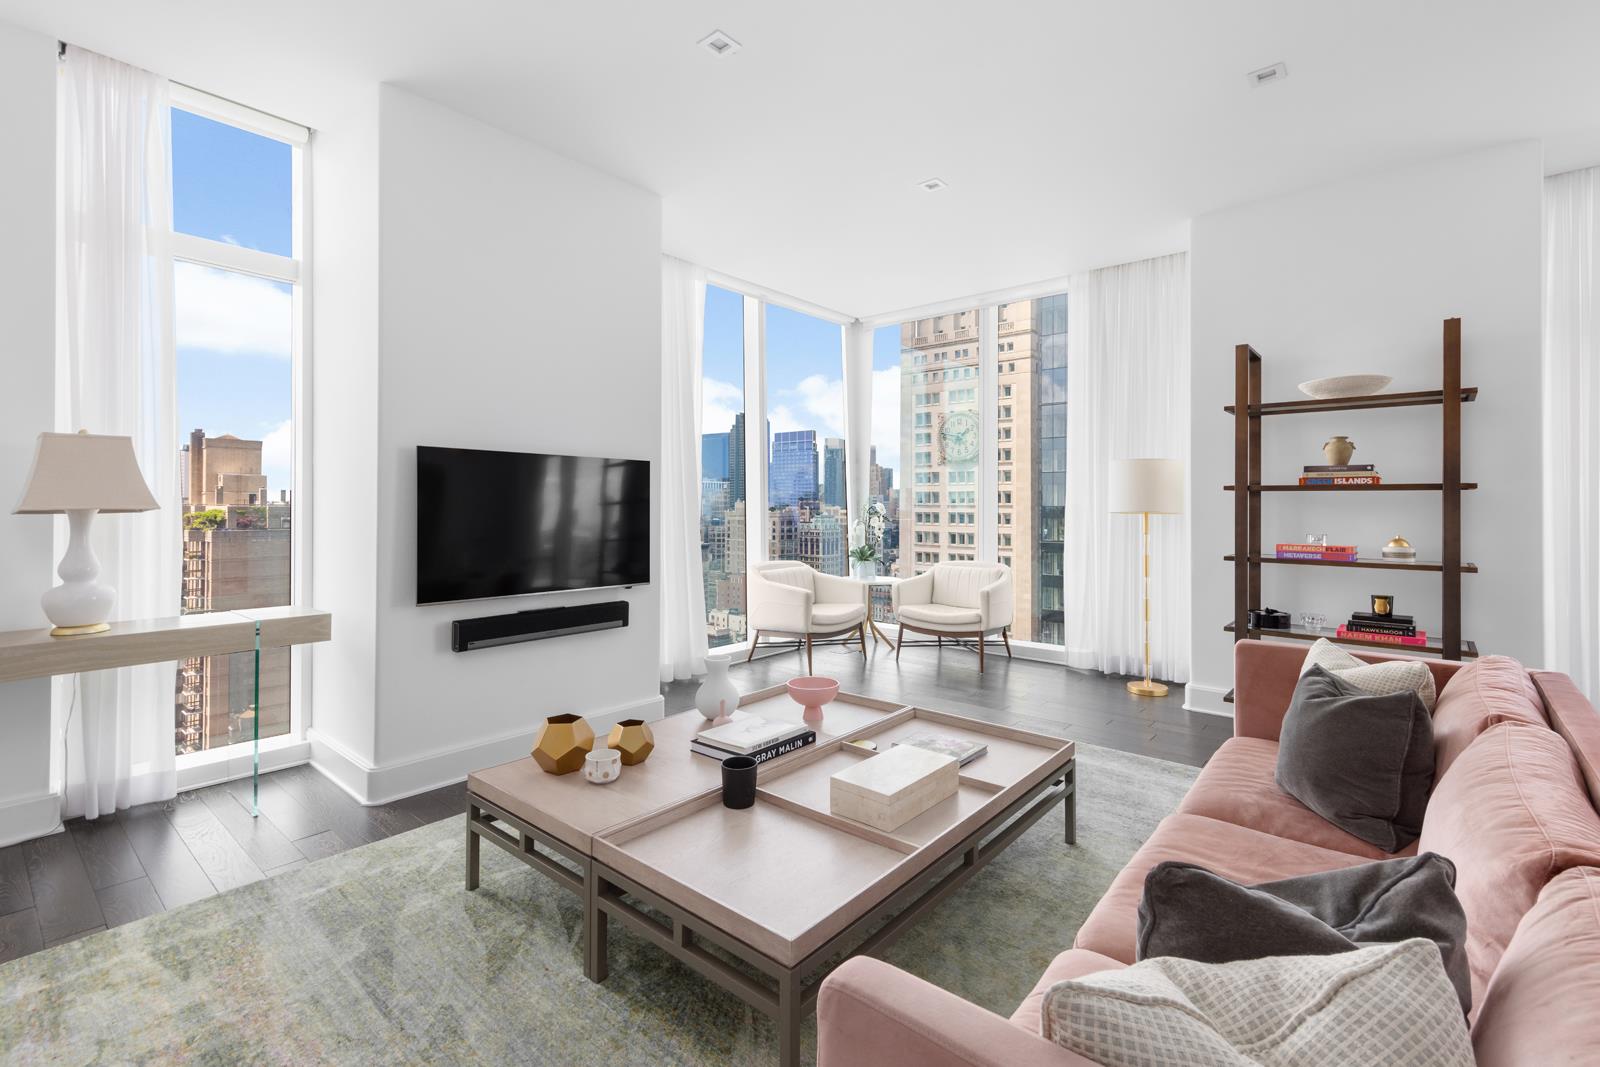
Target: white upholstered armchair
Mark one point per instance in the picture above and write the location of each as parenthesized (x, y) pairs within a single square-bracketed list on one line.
[(789, 599), (959, 600)]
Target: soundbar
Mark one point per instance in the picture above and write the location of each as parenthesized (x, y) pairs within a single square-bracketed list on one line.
[(467, 635)]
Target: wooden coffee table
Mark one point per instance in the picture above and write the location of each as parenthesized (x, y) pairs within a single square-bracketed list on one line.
[(784, 886)]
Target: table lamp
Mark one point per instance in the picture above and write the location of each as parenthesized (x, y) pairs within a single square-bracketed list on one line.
[(80, 474), (1146, 487)]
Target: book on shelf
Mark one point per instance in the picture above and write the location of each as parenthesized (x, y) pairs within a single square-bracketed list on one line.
[(963, 752), (1286, 546), (746, 734), (1376, 628), (760, 755), (1417, 640), (1352, 479), (1367, 616), (1342, 468), (1327, 557)]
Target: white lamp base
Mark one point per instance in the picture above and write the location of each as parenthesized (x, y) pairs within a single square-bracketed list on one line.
[(80, 604)]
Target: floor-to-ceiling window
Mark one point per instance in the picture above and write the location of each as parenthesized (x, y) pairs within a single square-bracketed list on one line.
[(806, 500), (722, 467), (238, 211)]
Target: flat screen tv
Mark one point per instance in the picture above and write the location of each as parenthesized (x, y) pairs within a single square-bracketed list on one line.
[(496, 524)]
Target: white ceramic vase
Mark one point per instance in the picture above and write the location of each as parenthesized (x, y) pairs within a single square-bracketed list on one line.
[(717, 696), (865, 569)]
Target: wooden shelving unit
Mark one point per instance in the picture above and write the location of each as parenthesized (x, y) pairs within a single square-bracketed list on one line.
[(1248, 409)]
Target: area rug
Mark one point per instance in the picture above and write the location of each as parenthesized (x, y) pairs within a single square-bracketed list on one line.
[(379, 956)]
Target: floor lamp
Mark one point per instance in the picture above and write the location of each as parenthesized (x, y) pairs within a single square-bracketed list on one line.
[(1146, 487)]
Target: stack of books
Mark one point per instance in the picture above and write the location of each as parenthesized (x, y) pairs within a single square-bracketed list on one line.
[(1389, 629), (1342, 474), (750, 735), (1311, 550)]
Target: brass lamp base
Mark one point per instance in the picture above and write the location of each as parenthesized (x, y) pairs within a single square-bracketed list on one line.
[(79, 631), (1141, 688)]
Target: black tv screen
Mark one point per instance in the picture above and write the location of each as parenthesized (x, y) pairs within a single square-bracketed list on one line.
[(492, 524)]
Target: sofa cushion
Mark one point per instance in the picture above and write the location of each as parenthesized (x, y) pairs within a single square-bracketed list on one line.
[(1237, 785), (1314, 914), (1237, 852), (1363, 761), (939, 615), (824, 616), (1073, 963), (1540, 1003), (1388, 1004), (1486, 692), (1390, 676), (1511, 813)]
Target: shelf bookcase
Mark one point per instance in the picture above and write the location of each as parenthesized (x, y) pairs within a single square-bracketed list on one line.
[(1247, 558)]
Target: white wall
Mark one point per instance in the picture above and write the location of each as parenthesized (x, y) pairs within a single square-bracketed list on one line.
[(27, 407), (520, 310), (1359, 276)]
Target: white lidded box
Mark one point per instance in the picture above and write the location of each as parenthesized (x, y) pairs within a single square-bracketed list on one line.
[(890, 789)]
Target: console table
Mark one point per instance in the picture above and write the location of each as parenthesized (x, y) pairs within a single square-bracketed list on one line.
[(36, 654)]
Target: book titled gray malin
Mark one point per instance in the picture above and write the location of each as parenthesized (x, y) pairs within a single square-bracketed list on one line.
[(760, 755)]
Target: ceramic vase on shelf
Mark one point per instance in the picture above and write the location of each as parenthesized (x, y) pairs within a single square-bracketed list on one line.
[(717, 696), (864, 569), (1338, 450)]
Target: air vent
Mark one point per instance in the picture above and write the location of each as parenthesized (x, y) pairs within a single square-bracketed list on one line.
[(1267, 75), (719, 43), (932, 185)]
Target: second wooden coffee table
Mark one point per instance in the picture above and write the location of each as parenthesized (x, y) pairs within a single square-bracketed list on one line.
[(784, 886)]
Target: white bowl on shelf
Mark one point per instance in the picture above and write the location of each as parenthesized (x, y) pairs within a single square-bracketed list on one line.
[(1344, 386)]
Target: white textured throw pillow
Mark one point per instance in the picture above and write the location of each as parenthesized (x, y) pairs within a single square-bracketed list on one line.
[(1381, 679), (1387, 1004)]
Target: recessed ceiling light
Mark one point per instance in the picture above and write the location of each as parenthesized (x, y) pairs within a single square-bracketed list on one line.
[(932, 185), (1267, 75), (719, 44)]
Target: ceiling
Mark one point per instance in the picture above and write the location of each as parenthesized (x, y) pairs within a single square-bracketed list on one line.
[(1072, 134)]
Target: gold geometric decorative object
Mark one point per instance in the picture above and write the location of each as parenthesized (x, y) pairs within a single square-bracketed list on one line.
[(633, 739), (561, 743)]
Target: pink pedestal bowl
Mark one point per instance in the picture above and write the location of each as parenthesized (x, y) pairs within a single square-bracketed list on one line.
[(812, 693)]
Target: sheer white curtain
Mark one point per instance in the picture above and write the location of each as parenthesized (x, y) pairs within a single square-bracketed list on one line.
[(683, 597), (115, 375), (1572, 427), (1127, 398)]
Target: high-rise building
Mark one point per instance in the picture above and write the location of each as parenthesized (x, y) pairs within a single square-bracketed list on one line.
[(236, 554), (834, 491), (792, 475), (736, 459), (714, 456)]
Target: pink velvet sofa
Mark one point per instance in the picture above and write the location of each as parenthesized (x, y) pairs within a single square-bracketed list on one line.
[(1516, 806)]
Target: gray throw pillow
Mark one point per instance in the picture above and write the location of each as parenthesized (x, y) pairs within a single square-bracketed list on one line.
[(1363, 761), (1196, 914)]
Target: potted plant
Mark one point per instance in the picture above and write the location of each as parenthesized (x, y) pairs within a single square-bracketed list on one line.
[(865, 555)]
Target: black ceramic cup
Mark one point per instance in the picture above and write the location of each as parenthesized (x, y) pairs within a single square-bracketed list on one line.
[(738, 782)]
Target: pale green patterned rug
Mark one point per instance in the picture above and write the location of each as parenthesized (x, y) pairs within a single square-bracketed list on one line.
[(378, 956)]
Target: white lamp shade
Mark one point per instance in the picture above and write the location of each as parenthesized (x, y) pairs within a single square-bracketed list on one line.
[(84, 471), (1147, 485)]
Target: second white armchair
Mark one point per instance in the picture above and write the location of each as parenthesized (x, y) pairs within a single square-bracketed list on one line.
[(956, 600), (792, 600)]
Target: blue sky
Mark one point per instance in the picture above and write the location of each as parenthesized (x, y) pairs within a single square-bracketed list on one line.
[(233, 331), (805, 373)]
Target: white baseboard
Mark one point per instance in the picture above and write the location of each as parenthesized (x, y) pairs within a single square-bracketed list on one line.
[(276, 754), (29, 817), (1206, 699), (380, 784)]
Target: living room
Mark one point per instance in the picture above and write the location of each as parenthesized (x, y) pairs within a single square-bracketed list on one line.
[(432, 371)]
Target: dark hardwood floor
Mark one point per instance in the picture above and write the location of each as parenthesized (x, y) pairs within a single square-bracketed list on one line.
[(147, 859)]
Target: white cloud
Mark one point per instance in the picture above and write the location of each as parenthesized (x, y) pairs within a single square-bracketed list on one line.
[(719, 402), (886, 418), (222, 311), (276, 460)]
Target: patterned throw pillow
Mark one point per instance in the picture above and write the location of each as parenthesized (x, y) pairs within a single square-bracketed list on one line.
[(1388, 1004), (1380, 679)]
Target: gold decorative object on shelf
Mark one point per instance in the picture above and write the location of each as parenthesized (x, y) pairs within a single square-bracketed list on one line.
[(633, 739), (561, 744), (1400, 549)]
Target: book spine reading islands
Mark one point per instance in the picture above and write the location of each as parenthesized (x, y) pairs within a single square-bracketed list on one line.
[(1354, 479), (760, 755), (1418, 641)]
